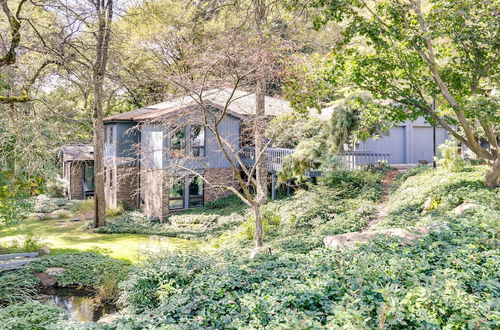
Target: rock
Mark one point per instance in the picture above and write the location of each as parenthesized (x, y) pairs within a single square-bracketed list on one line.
[(46, 280), (259, 250), (349, 240), (109, 318), (57, 214), (44, 250), (54, 271), (38, 216), (460, 209)]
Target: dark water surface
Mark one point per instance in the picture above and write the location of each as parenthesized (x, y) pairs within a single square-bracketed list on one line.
[(81, 305)]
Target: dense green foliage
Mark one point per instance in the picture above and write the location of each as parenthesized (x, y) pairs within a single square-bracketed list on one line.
[(31, 315), (211, 219), (427, 197), (432, 283), (16, 286), (85, 269)]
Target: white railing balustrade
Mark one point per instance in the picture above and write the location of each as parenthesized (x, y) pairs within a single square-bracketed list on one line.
[(352, 160)]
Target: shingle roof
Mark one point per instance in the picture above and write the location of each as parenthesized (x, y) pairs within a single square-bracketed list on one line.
[(242, 104), (72, 152)]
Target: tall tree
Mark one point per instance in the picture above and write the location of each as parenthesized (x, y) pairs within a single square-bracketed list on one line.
[(104, 12), (413, 51)]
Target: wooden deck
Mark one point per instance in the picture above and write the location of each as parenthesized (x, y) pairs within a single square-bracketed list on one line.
[(16, 260), (351, 160)]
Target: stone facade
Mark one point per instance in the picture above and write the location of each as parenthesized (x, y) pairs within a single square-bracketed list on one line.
[(75, 180), (122, 186), (218, 177), (127, 187)]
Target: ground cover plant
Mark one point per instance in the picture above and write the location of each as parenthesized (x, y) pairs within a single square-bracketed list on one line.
[(198, 223), (432, 283)]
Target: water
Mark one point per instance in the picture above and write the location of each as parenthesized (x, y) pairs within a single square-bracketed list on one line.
[(81, 305)]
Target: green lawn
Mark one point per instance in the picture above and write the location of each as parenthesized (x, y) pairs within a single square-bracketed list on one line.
[(69, 236)]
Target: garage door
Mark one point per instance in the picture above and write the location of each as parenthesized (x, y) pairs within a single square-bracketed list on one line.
[(422, 142), (394, 144)]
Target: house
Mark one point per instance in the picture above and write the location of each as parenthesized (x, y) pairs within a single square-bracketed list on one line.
[(77, 162), (154, 156), (165, 157)]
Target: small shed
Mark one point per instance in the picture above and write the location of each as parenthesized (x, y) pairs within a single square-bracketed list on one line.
[(77, 162)]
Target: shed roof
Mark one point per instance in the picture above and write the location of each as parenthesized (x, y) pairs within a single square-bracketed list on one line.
[(75, 152), (242, 104)]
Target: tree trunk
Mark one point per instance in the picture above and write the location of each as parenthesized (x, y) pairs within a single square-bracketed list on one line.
[(492, 178), (259, 131), (99, 198), (104, 11), (258, 226)]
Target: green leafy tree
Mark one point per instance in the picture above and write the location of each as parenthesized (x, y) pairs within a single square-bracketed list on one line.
[(410, 51)]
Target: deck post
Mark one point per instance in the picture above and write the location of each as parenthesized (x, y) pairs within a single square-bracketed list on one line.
[(273, 186)]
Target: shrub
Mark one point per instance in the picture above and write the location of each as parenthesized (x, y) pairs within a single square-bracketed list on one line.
[(352, 184), (56, 188), (449, 158), (28, 243), (45, 204), (84, 206), (159, 278), (31, 315)]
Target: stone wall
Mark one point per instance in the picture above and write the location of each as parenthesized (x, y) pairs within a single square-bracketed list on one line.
[(127, 186), (75, 189), (218, 177)]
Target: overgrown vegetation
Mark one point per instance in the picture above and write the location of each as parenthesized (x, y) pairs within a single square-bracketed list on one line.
[(28, 243), (31, 315), (82, 269), (385, 283)]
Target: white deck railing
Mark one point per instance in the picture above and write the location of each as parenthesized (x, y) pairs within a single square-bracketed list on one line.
[(352, 160)]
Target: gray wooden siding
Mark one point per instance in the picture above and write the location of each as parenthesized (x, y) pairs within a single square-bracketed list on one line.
[(393, 143), (408, 142), (422, 138), (125, 138), (151, 147), (155, 145)]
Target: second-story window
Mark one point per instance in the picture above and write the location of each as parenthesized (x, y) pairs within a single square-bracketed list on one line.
[(198, 140), (178, 142), (110, 135)]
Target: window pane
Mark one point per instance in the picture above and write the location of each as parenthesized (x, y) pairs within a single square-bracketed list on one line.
[(176, 204), (195, 202), (198, 134), (177, 187), (196, 192), (89, 177), (196, 187), (178, 138)]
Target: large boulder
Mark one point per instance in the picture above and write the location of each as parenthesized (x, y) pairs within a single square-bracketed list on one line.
[(460, 209), (349, 240)]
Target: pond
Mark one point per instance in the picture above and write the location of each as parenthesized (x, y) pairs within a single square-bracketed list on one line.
[(81, 305)]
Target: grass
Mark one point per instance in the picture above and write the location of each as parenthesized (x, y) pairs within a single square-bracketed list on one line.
[(69, 237)]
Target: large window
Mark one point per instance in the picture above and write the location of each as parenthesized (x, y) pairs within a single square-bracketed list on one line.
[(178, 142), (195, 192), (198, 140), (185, 192), (176, 196), (88, 177)]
